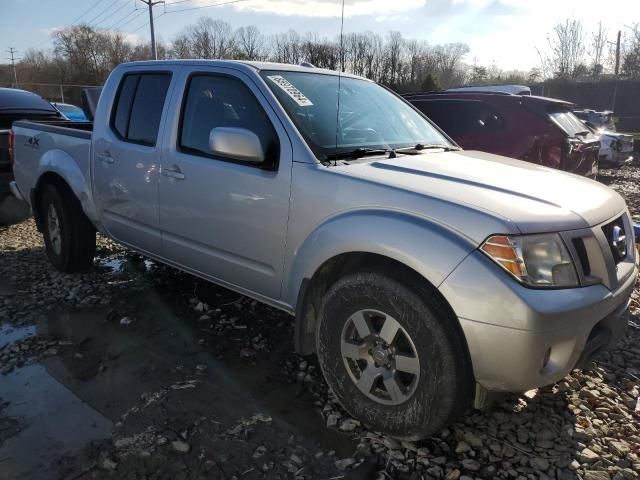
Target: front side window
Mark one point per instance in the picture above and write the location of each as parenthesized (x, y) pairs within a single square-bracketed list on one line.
[(139, 105), (363, 115), (221, 101)]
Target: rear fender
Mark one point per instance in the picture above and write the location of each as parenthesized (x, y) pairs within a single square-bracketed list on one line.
[(58, 162)]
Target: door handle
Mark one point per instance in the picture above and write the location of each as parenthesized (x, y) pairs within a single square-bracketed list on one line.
[(105, 157), (173, 172)]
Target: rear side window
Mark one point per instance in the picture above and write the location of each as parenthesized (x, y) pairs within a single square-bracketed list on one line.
[(222, 101), (139, 105), (461, 117)]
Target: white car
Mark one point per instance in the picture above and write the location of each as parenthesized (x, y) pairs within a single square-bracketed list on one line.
[(616, 149)]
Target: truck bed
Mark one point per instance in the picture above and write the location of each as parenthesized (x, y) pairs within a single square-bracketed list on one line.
[(62, 127), (58, 146)]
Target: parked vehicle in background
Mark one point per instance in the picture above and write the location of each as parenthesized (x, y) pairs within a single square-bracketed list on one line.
[(597, 120), (534, 129), (616, 149), (18, 105), (416, 271), (71, 112), (513, 89)]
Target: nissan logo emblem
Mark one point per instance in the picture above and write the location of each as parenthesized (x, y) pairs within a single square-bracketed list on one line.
[(619, 241)]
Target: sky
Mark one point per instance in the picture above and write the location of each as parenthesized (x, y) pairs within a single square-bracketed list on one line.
[(501, 32)]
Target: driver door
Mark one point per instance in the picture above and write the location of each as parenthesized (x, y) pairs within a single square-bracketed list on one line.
[(220, 217)]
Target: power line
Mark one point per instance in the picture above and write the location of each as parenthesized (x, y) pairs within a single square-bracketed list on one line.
[(87, 11), (118, 22), (229, 2), (117, 10), (116, 2)]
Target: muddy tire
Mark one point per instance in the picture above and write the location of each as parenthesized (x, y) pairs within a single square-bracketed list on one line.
[(69, 237), (393, 355)]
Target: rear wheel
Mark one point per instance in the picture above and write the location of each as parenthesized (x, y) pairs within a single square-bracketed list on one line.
[(69, 237), (392, 355)]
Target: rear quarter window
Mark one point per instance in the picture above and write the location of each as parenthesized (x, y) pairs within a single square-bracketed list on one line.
[(139, 105)]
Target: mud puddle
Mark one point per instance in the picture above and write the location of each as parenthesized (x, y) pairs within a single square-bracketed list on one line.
[(133, 379)]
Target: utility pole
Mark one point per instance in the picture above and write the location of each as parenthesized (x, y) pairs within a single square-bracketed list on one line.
[(151, 4), (618, 53), (12, 52)]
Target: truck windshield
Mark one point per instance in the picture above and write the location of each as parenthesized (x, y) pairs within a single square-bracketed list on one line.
[(567, 121), (369, 116)]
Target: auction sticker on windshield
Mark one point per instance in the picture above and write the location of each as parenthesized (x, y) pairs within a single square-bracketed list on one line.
[(290, 90)]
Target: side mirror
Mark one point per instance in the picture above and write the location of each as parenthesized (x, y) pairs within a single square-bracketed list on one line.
[(236, 143)]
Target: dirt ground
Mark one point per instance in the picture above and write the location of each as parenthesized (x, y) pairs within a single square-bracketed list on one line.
[(138, 371)]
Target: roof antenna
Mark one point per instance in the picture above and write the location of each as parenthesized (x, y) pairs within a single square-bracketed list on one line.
[(341, 53)]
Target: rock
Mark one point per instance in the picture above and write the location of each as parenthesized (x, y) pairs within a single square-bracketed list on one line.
[(296, 459), (49, 352), (471, 465), (588, 456), (260, 451), (539, 463), (349, 425), (463, 447), (332, 420), (180, 446), (453, 475), (620, 448), (344, 463), (472, 439), (108, 464), (126, 321), (596, 475)]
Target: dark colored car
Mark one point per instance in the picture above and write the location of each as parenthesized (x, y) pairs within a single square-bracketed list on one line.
[(535, 129), (18, 105)]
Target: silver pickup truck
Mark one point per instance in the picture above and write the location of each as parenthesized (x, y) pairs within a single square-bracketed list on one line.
[(423, 277)]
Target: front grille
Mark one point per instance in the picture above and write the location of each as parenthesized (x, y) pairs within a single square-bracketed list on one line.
[(616, 238)]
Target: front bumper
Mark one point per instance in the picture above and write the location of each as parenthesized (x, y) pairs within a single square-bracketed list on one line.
[(521, 338)]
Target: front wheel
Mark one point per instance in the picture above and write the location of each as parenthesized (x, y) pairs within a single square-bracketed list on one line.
[(392, 355), (69, 237)]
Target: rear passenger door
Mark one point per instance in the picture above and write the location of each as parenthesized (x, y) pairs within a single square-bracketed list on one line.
[(126, 159), (220, 217)]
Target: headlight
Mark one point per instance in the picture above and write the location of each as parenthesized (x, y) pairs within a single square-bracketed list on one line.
[(536, 260)]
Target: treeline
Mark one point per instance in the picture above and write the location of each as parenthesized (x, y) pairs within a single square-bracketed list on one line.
[(84, 55)]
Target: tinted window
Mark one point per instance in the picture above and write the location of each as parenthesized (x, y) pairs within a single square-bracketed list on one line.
[(123, 106), (220, 101), (139, 107), (461, 117), (147, 108)]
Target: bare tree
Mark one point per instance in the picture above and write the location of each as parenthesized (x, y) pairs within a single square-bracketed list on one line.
[(250, 42), (598, 45), (566, 44)]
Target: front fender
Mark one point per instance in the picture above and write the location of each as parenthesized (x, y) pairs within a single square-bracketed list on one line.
[(430, 249), (59, 162)]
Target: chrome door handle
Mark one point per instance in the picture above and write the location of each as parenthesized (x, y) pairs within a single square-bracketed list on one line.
[(173, 172), (105, 157)]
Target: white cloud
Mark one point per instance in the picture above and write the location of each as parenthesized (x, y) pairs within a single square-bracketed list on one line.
[(331, 8)]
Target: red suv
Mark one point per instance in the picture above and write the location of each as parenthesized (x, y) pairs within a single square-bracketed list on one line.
[(535, 129)]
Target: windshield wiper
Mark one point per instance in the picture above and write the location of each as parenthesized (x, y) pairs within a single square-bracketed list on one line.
[(428, 146), (359, 153)]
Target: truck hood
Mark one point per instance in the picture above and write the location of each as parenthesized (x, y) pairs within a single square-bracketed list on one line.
[(534, 198)]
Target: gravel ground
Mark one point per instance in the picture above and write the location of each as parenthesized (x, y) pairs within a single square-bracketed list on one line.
[(198, 382)]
